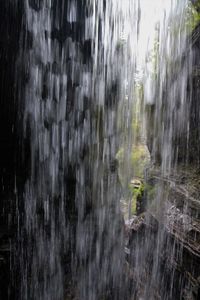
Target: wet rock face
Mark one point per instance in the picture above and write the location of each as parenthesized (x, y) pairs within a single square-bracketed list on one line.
[(194, 135), (178, 204), (9, 44), (185, 146), (164, 247), (196, 4), (11, 15), (185, 283)]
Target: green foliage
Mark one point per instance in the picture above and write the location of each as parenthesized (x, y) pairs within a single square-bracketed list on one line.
[(197, 4), (192, 17), (136, 195), (139, 160)]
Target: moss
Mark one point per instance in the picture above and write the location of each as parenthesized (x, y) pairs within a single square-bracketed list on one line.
[(136, 195), (136, 165), (136, 129), (137, 111), (139, 160), (192, 17), (197, 4)]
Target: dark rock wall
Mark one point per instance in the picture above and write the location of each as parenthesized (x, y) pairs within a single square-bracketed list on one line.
[(194, 136), (185, 139), (11, 14), (15, 158), (177, 276)]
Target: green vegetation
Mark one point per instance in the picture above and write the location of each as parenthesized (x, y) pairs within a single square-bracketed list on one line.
[(139, 159), (192, 17), (197, 5), (136, 195)]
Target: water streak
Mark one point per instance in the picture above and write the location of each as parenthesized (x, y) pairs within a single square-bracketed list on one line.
[(84, 64)]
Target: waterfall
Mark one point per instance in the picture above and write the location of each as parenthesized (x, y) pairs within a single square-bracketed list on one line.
[(166, 62), (76, 79), (85, 62)]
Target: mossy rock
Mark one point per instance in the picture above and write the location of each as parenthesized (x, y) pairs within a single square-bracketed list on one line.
[(137, 191), (196, 4), (192, 16), (139, 159), (137, 162)]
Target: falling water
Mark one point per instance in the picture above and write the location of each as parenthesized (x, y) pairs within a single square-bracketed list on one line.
[(166, 64), (84, 62), (71, 198)]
